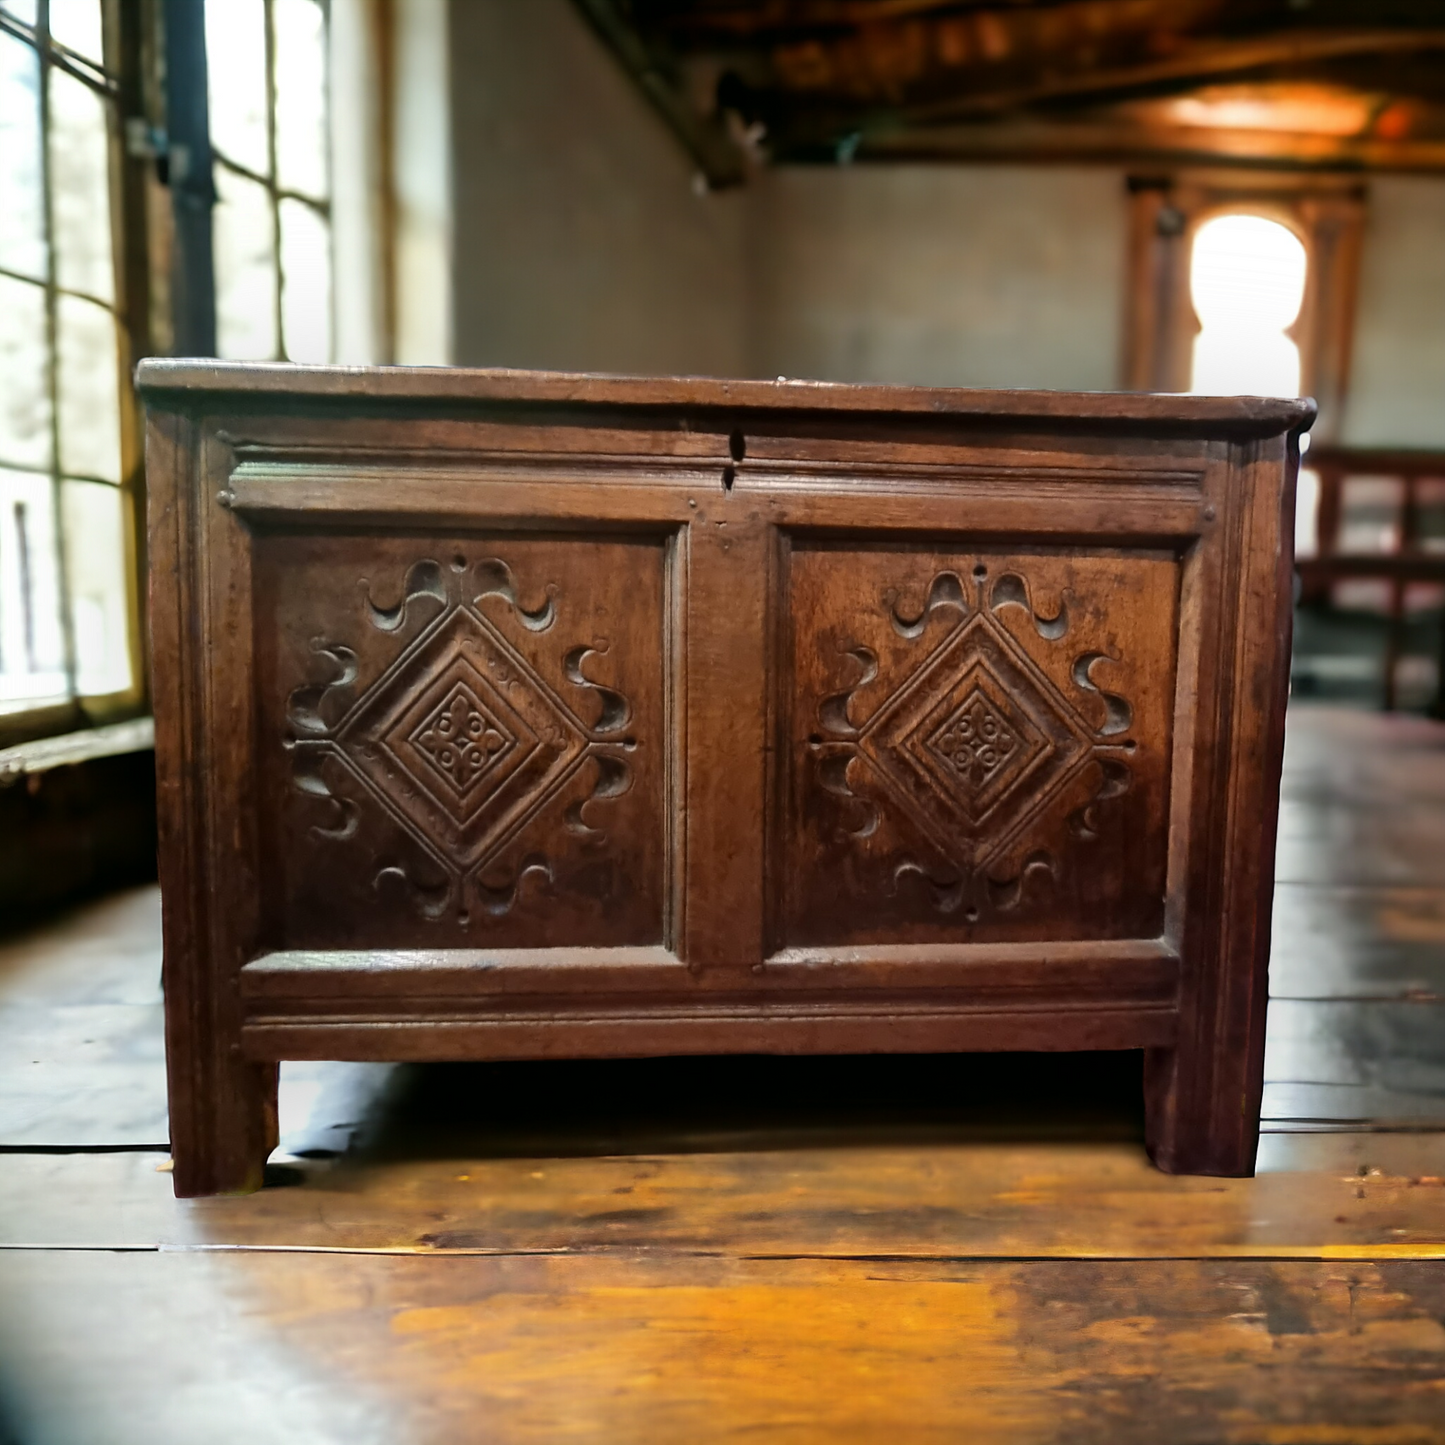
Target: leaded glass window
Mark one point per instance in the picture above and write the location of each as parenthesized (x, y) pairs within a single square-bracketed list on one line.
[(267, 92), (68, 621)]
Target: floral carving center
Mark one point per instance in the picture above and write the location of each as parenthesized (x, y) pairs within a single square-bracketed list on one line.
[(975, 742), (461, 739)]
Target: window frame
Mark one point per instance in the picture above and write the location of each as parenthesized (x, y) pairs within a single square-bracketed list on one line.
[(1328, 216), (118, 81), (161, 197), (276, 192)]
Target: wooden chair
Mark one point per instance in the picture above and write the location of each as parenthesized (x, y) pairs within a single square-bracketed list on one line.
[(1408, 561)]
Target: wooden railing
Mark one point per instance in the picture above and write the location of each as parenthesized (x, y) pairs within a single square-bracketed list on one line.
[(1406, 561)]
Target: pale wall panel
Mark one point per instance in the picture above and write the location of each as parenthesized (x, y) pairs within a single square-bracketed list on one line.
[(1397, 386), (580, 241), (940, 275)]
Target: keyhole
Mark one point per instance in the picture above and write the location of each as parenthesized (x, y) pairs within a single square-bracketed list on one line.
[(737, 450)]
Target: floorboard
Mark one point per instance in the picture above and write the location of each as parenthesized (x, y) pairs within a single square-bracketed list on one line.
[(81, 1029), (1390, 1054), (778, 1249), (269, 1347), (1334, 942), (1318, 1195), (1343, 843)]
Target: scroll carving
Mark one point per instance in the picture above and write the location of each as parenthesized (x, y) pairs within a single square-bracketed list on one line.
[(833, 711), (1012, 590), (495, 578), (307, 705), (946, 590), (308, 780), (499, 901), (1119, 715), (616, 710), (423, 579), (430, 902), (460, 742), (613, 779), (974, 746)]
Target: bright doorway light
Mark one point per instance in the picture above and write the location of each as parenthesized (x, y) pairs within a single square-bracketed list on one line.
[(1247, 280)]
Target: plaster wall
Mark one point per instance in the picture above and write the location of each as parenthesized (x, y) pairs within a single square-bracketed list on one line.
[(940, 275), (580, 242), (1397, 382)]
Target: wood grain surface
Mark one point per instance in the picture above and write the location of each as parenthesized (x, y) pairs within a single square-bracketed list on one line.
[(157, 376), (524, 716), (82, 1058), (268, 1347), (1318, 1196), (791, 1249)]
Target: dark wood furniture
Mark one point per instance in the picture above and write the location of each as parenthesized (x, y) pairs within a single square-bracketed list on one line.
[(506, 715), (1408, 561)]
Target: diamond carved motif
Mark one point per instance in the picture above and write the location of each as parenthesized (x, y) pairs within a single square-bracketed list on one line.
[(975, 741), (977, 747), (983, 747), (462, 740)]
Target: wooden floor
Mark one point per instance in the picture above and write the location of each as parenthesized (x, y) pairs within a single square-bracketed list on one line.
[(772, 1250)]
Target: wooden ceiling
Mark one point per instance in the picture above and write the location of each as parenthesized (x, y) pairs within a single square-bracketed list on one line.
[(1299, 84)]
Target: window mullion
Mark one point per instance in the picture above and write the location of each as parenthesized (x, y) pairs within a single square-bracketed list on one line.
[(60, 290), (60, 56), (52, 359), (273, 178)]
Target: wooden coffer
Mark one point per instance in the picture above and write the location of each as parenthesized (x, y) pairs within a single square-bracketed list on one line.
[(524, 715)]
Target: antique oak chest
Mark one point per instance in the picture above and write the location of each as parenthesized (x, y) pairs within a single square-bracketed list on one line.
[(526, 715)]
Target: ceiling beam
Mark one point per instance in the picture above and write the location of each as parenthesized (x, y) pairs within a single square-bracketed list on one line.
[(1205, 61), (1106, 141)]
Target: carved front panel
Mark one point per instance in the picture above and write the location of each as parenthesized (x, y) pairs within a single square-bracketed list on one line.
[(464, 740), (977, 745)]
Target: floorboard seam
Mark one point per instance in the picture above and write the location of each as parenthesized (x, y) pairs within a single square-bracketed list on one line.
[(1344, 1254), (85, 1148)]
